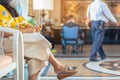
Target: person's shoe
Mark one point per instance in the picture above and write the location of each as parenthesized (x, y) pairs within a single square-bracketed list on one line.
[(68, 71), (103, 58), (94, 60)]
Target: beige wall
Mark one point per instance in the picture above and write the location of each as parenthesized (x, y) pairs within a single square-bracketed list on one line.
[(56, 13), (37, 16)]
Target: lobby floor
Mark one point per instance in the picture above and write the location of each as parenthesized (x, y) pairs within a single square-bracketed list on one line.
[(108, 69)]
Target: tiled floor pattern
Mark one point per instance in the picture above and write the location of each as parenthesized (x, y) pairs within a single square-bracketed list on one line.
[(108, 69), (104, 70)]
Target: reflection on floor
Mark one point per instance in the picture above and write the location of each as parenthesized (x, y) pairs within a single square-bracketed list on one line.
[(103, 70), (108, 69)]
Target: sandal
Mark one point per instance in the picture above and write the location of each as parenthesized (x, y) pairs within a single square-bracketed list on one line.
[(68, 71)]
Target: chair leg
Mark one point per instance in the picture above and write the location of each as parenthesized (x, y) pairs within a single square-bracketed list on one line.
[(73, 49), (81, 49), (64, 49), (76, 49), (16, 74)]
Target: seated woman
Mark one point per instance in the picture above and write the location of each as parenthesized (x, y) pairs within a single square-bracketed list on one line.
[(37, 52)]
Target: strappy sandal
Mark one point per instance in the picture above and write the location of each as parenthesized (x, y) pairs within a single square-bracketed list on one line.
[(68, 71)]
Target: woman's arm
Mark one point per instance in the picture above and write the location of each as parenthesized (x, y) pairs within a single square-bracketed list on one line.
[(27, 30), (30, 29), (7, 34)]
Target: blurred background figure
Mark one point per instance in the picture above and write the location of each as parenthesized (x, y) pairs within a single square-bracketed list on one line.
[(43, 21), (98, 13), (71, 23), (47, 31)]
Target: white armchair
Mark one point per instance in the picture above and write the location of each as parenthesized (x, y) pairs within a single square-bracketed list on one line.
[(15, 62)]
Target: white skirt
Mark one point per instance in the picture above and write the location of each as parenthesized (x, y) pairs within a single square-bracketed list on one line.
[(37, 49)]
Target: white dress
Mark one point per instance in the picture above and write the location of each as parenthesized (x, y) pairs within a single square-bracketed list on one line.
[(37, 50)]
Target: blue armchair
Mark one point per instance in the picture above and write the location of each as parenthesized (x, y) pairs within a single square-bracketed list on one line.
[(70, 36)]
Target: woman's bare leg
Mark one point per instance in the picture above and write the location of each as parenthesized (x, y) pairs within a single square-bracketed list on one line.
[(58, 67), (34, 76), (61, 70)]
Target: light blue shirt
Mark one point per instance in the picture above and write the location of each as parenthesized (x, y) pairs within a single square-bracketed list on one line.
[(98, 10)]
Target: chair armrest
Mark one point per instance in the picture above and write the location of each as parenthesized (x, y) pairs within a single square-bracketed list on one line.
[(18, 50), (15, 40)]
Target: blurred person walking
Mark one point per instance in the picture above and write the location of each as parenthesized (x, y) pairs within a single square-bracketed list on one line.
[(98, 14)]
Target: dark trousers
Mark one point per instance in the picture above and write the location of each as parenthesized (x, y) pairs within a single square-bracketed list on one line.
[(98, 32)]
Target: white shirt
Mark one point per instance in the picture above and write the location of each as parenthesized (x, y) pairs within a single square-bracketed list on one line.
[(98, 10)]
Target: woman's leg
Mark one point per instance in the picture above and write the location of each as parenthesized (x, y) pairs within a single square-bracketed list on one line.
[(58, 67), (34, 67), (33, 77), (61, 70)]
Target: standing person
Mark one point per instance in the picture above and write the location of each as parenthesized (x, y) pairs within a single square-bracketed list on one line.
[(37, 48), (99, 14)]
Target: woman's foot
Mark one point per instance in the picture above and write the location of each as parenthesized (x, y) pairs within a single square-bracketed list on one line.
[(66, 71), (60, 68)]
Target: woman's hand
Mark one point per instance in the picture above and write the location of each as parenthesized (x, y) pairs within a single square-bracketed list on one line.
[(31, 29), (7, 34), (28, 29), (38, 28)]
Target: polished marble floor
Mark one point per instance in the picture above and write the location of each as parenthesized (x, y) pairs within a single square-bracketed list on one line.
[(108, 69)]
